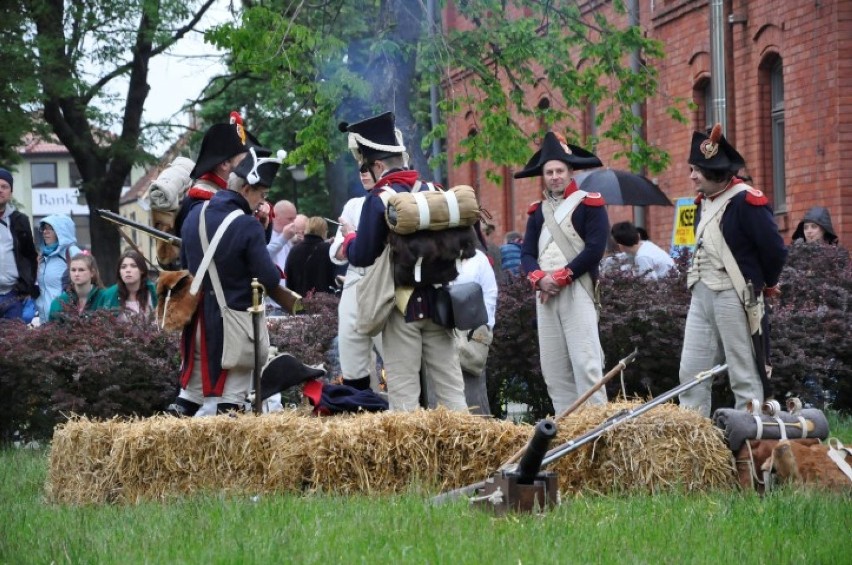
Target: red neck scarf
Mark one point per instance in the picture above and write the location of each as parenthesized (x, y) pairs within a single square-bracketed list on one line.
[(407, 178), (203, 193)]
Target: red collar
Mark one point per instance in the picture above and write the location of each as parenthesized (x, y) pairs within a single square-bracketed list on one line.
[(570, 189), (215, 179), (407, 178)]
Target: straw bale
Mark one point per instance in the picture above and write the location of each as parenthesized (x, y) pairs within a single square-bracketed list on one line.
[(163, 457), (667, 448), (130, 460), (388, 452)]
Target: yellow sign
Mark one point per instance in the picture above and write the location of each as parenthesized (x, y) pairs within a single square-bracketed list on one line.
[(683, 234)]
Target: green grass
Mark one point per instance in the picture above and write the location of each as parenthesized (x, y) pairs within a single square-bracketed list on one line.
[(784, 527)]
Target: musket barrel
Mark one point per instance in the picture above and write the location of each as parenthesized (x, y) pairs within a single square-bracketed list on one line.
[(624, 415), (154, 232)]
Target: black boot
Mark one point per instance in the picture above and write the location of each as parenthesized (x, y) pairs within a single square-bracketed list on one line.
[(361, 384), (226, 407), (182, 408)]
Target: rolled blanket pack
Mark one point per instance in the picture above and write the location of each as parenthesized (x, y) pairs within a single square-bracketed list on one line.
[(408, 212), (166, 192), (740, 425)]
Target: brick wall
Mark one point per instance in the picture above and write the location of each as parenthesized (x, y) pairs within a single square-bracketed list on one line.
[(814, 43)]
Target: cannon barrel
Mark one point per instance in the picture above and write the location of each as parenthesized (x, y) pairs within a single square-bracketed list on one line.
[(530, 463)]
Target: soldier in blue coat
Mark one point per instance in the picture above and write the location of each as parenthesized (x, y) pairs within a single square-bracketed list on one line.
[(411, 340), (567, 233), (240, 257), (738, 259)]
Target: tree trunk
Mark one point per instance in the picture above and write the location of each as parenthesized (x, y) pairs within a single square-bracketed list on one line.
[(106, 242), (395, 72)]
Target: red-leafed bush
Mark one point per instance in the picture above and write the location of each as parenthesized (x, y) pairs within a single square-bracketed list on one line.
[(93, 364), (811, 342)]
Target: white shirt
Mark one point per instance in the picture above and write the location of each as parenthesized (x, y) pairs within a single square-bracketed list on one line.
[(478, 269), (653, 261), (352, 214), (278, 248)]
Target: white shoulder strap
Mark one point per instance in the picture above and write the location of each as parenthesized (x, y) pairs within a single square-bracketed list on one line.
[(198, 276)]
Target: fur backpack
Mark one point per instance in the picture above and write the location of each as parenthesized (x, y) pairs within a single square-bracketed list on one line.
[(175, 304), (425, 258)]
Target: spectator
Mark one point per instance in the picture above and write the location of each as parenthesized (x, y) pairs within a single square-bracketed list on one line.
[(566, 236), (133, 294), (356, 349), (309, 267), (816, 227), (288, 229), (57, 241), (477, 269), (17, 254), (650, 261), (493, 251), (643, 234), (85, 290), (510, 253)]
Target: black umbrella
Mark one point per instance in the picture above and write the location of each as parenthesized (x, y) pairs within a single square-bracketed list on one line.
[(623, 187)]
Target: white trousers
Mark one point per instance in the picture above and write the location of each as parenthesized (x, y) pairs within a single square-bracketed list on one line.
[(238, 384), (410, 346), (717, 332), (356, 349), (570, 347)]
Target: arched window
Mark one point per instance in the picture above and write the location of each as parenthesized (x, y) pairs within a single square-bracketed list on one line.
[(776, 117), (702, 95), (473, 171)]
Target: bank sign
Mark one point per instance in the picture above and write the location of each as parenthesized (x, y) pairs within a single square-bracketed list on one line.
[(47, 201)]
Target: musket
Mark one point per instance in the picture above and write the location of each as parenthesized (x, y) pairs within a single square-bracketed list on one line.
[(628, 414), (615, 420), (153, 232)]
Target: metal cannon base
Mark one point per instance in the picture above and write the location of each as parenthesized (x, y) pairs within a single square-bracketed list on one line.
[(503, 493)]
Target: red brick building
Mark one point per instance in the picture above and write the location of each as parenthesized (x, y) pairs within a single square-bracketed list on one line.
[(788, 73)]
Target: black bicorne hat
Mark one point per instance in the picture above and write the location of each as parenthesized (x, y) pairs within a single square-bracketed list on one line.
[(555, 149), (712, 151), (259, 167), (374, 138), (220, 143)]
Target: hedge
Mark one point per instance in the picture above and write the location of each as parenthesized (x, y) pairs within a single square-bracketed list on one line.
[(98, 366)]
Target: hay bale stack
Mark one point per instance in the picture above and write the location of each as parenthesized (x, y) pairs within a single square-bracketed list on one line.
[(386, 452), (665, 449), (162, 457), (127, 461)]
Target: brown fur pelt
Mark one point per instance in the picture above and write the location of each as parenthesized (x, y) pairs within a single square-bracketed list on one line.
[(752, 457), (173, 288), (807, 465), (164, 221), (439, 250)]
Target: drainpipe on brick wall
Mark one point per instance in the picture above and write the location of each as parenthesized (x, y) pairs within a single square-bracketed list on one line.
[(717, 63), (636, 108), (433, 98)]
